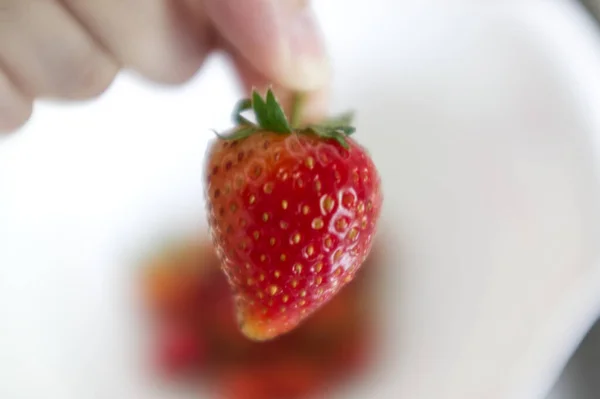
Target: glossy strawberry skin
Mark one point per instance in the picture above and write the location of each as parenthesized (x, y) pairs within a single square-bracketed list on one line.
[(292, 218)]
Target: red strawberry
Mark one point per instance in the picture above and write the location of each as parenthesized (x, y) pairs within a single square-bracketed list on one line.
[(292, 213), (286, 379), (180, 349)]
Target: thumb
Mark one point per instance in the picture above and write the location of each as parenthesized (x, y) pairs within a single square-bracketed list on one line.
[(279, 38)]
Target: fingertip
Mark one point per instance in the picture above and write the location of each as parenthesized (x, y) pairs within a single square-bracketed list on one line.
[(15, 107), (279, 38), (13, 118), (317, 106), (315, 102), (303, 62)]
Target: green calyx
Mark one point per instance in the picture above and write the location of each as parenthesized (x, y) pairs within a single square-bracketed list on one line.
[(271, 117)]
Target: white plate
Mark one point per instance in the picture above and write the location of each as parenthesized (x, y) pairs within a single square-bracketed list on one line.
[(484, 122)]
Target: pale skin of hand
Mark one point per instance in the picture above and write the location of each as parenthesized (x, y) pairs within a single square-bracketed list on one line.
[(73, 49)]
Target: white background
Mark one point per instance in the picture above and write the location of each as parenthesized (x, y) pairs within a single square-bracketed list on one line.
[(483, 119)]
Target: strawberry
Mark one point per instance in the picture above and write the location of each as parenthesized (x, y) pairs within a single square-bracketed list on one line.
[(174, 280), (291, 379), (180, 349), (292, 212)]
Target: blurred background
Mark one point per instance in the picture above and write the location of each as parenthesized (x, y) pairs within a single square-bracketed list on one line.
[(484, 120)]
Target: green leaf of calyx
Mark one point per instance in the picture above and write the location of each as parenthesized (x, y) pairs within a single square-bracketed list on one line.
[(240, 133), (338, 134), (271, 117), (269, 114), (344, 119), (242, 105), (337, 128)]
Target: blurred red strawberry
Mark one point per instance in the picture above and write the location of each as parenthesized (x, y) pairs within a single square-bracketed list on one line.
[(276, 381), (180, 350)]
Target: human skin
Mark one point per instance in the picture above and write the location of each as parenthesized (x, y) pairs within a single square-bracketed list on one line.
[(74, 49)]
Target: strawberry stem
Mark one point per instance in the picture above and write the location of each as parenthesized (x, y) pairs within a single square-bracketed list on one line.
[(297, 104)]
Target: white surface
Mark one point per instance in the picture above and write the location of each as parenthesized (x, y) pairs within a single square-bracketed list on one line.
[(484, 121)]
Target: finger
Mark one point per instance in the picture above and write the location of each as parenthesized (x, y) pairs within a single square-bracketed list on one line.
[(279, 38), (15, 107), (166, 41), (315, 103), (49, 54)]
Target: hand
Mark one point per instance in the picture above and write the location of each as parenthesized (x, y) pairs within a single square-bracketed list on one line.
[(73, 49)]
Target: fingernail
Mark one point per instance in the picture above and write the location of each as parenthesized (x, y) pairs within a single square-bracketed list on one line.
[(303, 62)]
